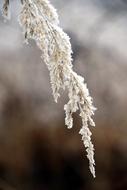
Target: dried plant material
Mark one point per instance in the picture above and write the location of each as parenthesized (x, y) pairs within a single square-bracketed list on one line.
[(40, 22)]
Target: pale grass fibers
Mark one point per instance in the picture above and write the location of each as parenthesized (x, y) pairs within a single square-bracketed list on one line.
[(40, 22)]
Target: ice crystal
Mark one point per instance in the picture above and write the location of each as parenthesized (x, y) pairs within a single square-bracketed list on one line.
[(40, 22), (6, 8)]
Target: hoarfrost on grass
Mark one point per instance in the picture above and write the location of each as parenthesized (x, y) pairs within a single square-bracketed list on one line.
[(40, 22)]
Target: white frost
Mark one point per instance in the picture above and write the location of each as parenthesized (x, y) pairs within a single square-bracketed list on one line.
[(39, 21)]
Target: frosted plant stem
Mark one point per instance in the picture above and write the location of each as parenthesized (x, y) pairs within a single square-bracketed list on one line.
[(40, 22)]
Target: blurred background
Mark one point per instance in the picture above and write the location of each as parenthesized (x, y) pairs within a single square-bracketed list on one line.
[(37, 152)]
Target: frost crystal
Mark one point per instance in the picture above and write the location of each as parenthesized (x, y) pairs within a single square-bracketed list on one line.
[(40, 22), (5, 8)]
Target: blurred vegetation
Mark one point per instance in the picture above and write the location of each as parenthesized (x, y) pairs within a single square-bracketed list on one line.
[(36, 150)]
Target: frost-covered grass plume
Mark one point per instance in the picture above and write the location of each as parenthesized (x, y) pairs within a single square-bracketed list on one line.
[(40, 22)]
